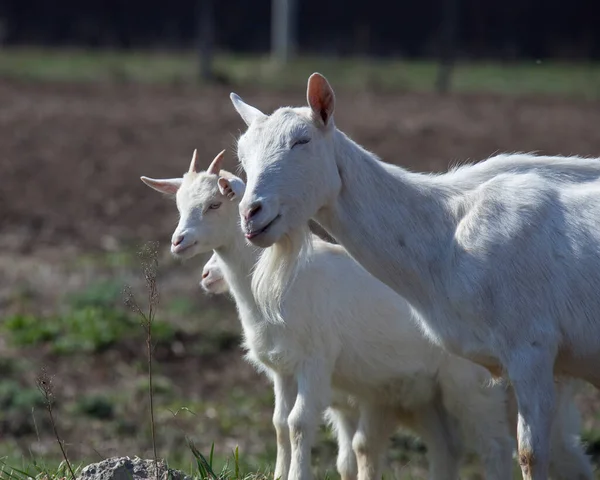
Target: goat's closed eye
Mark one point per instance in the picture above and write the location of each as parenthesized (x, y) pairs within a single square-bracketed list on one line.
[(301, 141), (214, 206)]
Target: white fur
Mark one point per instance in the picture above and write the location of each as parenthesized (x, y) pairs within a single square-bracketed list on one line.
[(346, 340), (501, 259)]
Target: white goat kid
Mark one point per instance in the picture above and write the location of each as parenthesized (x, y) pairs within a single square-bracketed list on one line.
[(217, 284), (501, 259), (213, 281), (342, 328), (343, 415)]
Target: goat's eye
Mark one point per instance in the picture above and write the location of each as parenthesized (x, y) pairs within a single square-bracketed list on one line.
[(214, 206), (301, 141)]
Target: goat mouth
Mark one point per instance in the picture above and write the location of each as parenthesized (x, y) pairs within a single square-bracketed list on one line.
[(181, 251), (256, 233), (209, 285)]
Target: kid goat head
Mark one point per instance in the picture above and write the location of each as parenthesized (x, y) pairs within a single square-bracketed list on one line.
[(203, 201), (213, 281), (289, 160)]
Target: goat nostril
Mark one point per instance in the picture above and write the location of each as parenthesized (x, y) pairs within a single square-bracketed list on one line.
[(204, 275), (253, 210), (178, 240)]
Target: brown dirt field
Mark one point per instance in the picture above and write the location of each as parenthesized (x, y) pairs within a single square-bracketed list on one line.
[(70, 160), (72, 154)]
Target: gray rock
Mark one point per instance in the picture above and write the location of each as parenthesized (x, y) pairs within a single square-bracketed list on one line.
[(125, 468)]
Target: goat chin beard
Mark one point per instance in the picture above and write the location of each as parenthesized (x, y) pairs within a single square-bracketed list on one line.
[(276, 269)]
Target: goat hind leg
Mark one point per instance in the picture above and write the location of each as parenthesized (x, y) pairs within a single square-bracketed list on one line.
[(568, 460), (481, 414), (375, 426), (345, 425), (444, 448)]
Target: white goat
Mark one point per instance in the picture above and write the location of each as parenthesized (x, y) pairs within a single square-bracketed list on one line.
[(344, 329), (500, 260), (213, 281), (343, 414)]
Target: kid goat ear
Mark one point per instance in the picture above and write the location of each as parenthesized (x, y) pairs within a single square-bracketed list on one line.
[(225, 188), (165, 185)]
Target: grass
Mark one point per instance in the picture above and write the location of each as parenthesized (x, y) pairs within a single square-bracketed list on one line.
[(535, 77), (36, 470), (90, 323)]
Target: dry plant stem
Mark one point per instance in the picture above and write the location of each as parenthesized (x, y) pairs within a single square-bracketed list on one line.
[(149, 261), (60, 443), (151, 392), (44, 384)]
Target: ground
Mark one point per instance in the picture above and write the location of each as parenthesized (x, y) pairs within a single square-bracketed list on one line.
[(73, 214)]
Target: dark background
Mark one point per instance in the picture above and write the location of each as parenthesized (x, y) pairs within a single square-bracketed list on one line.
[(509, 29)]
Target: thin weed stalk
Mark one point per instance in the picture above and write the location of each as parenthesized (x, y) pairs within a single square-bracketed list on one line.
[(45, 385), (149, 261)]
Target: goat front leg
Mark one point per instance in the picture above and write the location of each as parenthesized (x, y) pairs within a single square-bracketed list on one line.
[(531, 373), (314, 395), (376, 424), (285, 394)]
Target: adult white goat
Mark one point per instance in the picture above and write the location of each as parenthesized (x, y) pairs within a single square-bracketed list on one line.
[(343, 328), (500, 259)]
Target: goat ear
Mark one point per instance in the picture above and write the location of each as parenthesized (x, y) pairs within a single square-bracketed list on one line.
[(321, 98), (215, 166), (248, 113), (232, 187), (194, 166), (165, 185)]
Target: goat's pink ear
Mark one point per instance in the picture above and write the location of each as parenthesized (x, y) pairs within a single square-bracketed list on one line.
[(233, 187), (321, 98), (225, 188), (215, 166), (165, 185), (194, 166)]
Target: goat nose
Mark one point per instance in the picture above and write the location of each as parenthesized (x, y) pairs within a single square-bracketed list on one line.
[(204, 274), (252, 210), (177, 240)]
